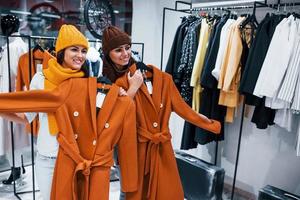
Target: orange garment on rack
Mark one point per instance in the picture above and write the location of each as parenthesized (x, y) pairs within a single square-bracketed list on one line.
[(158, 174), (86, 140), (23, 78)]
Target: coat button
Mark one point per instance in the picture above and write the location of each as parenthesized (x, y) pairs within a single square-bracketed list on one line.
[(161, 105), (155, 124), (76, 136), (106, 125), (76, 113), (94, 142)]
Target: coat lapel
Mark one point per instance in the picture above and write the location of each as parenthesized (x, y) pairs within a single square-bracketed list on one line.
[(107, 107), (92, 94)]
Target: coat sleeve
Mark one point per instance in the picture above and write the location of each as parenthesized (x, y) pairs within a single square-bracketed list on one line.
[(34, 101), (186, 112), (127, 151)]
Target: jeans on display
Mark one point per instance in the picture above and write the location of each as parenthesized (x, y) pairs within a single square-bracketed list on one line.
[(44, 173)]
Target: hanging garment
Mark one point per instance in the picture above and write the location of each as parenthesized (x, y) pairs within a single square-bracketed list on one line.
[(256, 58), (175, 53), (17, 47), (262, 115), (86, 141), (210, 95), (230, 70), (23, 81), (276, 60), (157, 165), (222, 47), (199, 62), (189, 49), (288, 86), (286, 70)]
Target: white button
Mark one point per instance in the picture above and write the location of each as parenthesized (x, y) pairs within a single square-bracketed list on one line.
[(76, 113), (94, 142), (155, 124), (161, 105), (106, 125), (76, 136)]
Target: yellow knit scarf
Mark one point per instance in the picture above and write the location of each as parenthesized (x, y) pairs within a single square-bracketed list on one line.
[(54, 75)]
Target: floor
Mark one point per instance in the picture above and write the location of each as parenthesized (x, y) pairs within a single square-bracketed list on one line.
[(25, 184), (6, 192)]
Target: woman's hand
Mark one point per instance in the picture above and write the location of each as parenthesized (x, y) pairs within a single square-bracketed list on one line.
[(136, 80), (122, 92)]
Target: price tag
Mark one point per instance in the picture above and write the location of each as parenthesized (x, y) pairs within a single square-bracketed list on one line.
[(149, 86), (100, 99)]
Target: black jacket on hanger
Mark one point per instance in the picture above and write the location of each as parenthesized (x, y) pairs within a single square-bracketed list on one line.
[(262, 115), (175, 53), (187, 62)]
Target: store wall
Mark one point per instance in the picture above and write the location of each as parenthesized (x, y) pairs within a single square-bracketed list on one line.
[(147, 27), (266, 156)]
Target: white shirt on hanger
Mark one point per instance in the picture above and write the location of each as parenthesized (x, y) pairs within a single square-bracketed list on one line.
[(224, 37), (277, 59)]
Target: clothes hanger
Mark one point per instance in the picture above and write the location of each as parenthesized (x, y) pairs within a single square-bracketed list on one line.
[(104, 81), (143, 67)]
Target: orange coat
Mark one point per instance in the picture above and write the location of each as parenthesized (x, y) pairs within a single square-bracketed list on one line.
[(86, 142), (158, 174)]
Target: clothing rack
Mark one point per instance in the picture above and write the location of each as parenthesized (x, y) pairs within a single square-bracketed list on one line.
[(187, 11), (29, 39), (229, 8), (253, 5)]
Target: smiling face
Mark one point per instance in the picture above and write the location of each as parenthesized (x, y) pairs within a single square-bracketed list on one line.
[(74, 57), (121, 55)]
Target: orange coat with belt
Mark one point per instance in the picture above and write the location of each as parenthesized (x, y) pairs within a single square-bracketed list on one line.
[(86, 141), (158, 174)]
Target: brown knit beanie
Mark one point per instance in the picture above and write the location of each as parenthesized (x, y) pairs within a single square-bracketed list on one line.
[(113, 37)]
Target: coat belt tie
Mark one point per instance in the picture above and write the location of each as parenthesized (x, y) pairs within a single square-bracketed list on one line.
[(152, 154), (84, 165)]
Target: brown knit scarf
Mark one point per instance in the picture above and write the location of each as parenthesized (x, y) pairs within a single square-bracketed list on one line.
[(111, 71)]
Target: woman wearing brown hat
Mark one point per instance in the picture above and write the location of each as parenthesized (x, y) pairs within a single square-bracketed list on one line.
[(71, 47), (154, 100), (116, 46)]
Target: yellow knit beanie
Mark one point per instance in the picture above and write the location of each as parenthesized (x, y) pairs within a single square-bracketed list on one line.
[(69, 35)]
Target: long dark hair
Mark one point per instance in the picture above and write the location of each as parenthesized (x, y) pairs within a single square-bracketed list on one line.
[(60, 59)]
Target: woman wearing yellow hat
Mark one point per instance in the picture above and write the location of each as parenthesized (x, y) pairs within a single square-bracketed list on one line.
[(71, 48)]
